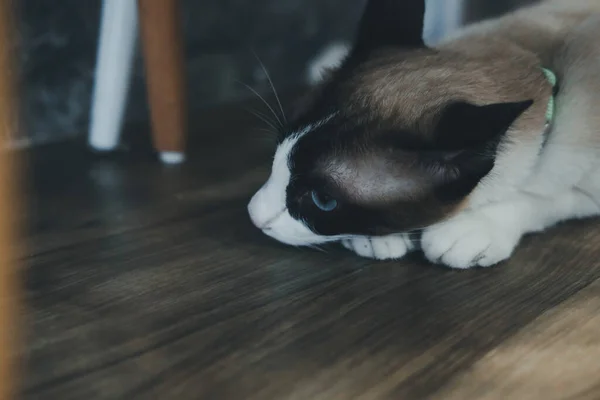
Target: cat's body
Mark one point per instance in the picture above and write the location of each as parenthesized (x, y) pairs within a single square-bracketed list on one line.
[(451, 140)]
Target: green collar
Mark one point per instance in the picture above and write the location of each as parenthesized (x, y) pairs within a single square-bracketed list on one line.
[(551, 77)]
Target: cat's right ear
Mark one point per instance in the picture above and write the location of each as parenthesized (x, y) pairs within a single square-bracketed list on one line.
[(390, 23)]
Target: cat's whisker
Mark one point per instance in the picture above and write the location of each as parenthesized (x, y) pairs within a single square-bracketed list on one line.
[(271, 124), (266, 103), (412, 235), (318, 248), (265, 136), (263, 118), (266, 116), (268, 132), (417, 230), (272, 85)]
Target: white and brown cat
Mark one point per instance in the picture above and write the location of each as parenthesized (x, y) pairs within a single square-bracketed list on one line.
[(444, 149)]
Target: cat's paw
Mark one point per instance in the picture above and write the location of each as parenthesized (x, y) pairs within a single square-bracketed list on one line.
[(468, 241), (390, 247)]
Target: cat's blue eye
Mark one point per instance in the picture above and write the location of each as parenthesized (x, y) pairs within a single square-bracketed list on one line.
[(323, 201)]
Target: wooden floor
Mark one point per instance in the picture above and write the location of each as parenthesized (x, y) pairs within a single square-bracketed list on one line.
[(148, 282)]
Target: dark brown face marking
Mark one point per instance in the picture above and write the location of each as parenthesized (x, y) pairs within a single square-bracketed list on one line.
[(401, 134)]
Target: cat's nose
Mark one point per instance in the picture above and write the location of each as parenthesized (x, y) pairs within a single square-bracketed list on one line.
[(257, 210)]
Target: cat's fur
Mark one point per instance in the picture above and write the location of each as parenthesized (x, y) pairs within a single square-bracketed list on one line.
[(448, 141)]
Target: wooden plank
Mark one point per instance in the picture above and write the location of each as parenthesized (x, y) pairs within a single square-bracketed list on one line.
[(153, 283), (9, 293), (557, 356)]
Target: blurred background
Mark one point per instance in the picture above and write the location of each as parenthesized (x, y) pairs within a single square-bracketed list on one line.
[(59, 41)]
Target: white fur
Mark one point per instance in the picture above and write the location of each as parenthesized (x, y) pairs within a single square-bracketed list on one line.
[(485, 236), (268, 209), (469, 240), (380, 248)]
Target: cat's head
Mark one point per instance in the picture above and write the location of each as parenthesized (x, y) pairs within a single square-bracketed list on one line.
[(396, 139)]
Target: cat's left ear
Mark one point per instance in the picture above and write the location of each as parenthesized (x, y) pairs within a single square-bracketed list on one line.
[(390, 23), (464, 126), (466, 142)]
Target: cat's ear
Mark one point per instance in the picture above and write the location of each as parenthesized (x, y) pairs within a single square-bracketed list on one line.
[(463, 125), (466, 144), (390, 23)]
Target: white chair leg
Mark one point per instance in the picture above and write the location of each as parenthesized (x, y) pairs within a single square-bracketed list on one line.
[(442, 19), (116, 45)]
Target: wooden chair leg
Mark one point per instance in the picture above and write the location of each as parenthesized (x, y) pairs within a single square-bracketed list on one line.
[(162, 43), (9, 288)]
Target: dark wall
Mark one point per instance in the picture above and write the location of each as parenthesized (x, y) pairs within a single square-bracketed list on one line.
[(57, 53), (58, 49), (476, 10), (59, 40)]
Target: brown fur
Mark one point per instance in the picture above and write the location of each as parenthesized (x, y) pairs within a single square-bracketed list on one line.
[(410, 89), (491, 62)]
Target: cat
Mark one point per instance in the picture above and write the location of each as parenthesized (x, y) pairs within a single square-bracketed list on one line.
[(452, 149)]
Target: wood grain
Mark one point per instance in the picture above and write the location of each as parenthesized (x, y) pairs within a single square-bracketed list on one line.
[(145, 283), (162, 41), (557, 356), (9, 284)]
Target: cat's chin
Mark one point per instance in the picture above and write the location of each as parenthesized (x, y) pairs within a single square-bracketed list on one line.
[(281, 226), (293, 235), (291, 240)]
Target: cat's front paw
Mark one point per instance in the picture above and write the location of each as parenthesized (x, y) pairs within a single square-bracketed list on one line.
[(468, 241), (390, 247)]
